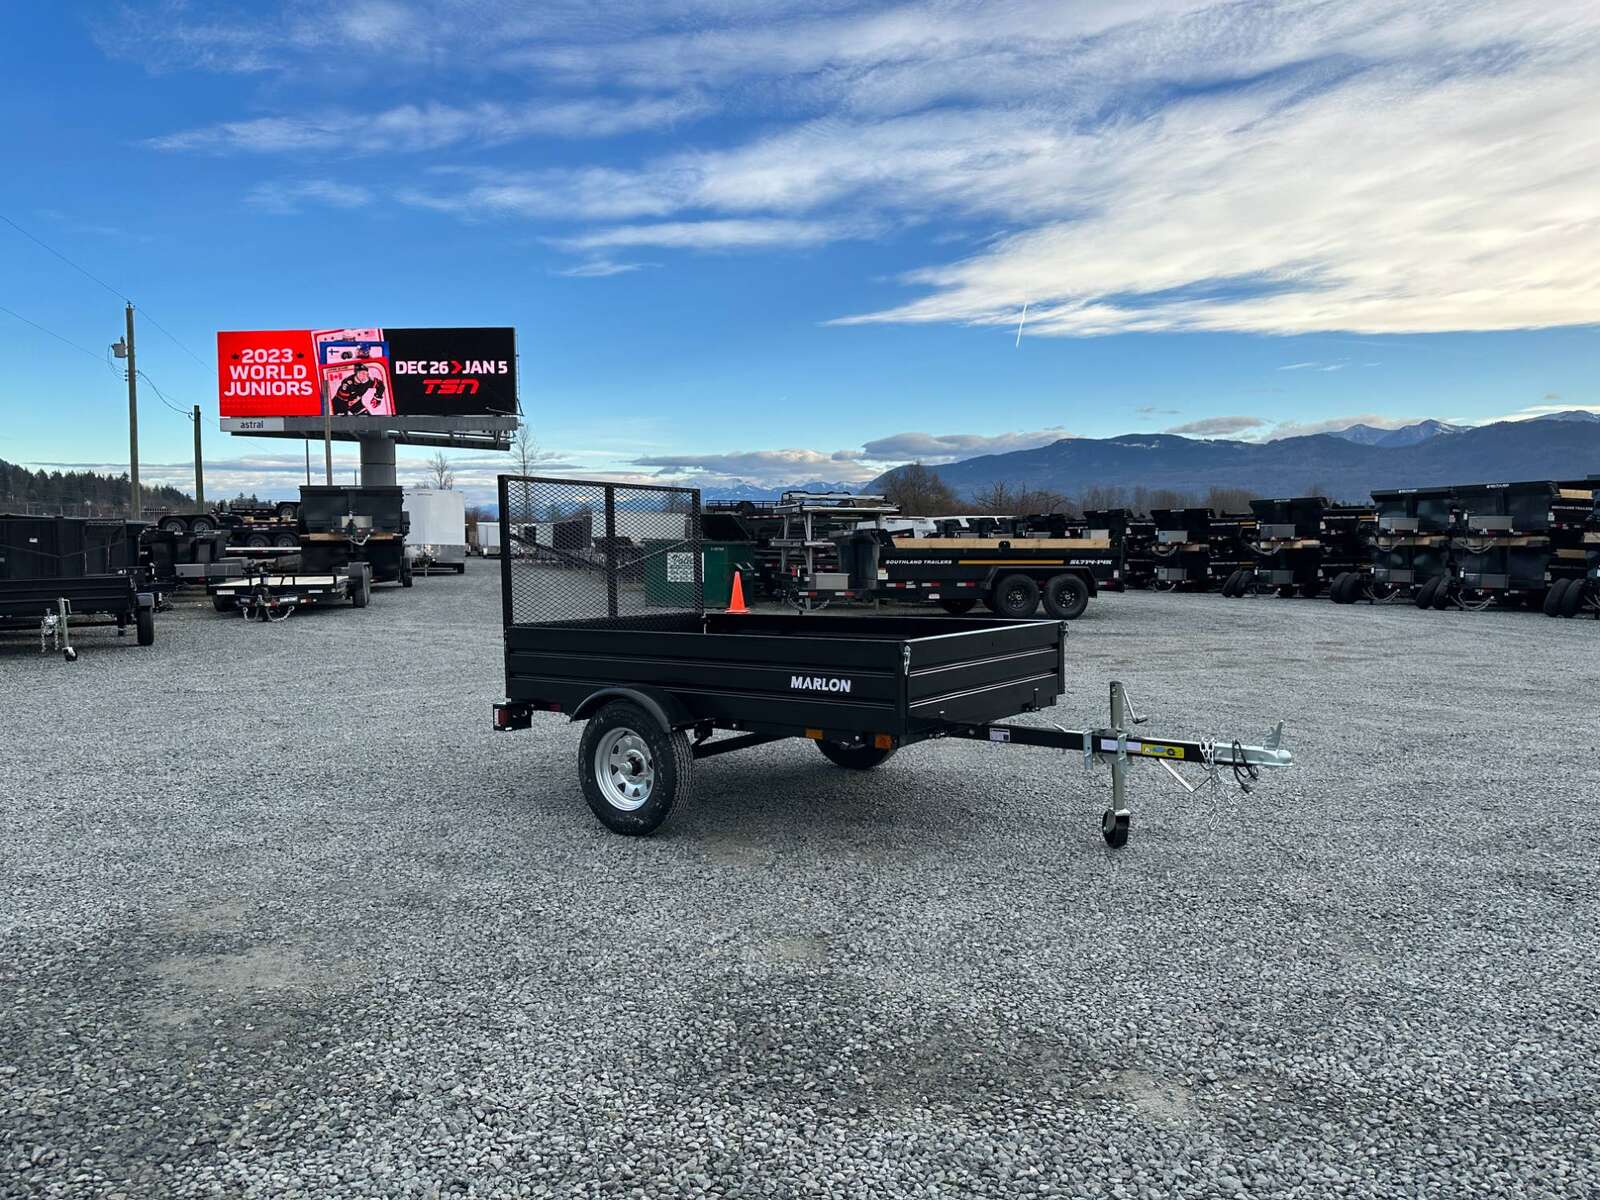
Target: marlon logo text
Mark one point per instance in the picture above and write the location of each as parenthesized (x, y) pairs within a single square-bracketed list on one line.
[(818, 683)]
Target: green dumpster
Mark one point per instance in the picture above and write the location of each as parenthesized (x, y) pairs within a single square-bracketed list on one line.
[(669, 572)]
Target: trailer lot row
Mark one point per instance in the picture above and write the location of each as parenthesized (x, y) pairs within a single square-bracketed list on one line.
[(283, 917)]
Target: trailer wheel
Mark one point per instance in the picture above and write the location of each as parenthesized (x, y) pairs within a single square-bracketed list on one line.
[(360, 590), (957, 607), (1014, 596), (288, 512), (223, 604), (1065, 597), (1572, 598), (258, 540), (633, 771), (405, 570), (69, 654), (175, 525), (854, 756), (1441, 594), (144, 624), (1114, 828), (1554, 597), (285, 540), (201, 526), (1423, 597)]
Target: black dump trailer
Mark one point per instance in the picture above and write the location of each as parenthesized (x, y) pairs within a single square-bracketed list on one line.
[(57, 572), (341, 526), (624, 645), (1011, 575), (1347, 536), (1288, 544), (1138, 540), (1520, 544), (1181, 548), (1409, 547)]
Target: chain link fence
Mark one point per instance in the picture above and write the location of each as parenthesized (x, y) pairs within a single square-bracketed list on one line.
[(582, 552)]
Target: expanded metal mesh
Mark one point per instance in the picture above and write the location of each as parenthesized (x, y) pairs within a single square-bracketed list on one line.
[(583, 552)]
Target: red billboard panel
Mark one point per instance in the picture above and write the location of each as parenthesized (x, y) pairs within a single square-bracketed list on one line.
[(368, 372)]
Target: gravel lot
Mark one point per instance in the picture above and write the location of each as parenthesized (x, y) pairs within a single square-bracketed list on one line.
[(282, 917)]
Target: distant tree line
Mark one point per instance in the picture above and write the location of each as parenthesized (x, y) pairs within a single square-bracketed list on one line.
[(919, 491), (78, 493)]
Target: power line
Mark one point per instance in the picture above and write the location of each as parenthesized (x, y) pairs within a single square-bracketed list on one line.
[(117, 292), (51, 332), (162, 396)]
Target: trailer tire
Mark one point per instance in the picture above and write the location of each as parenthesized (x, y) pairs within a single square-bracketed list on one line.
[(854, 757), (285, 541), (1572, 598), (1066, 597), (258, 540), (1351, 592), (958, 607), (1423, 598), (201, 526), (360, 590), (223, 604), (634, 772), (288, 512), (1014, 596), (1114, 828), (144, 622), (1441, 594), (1554, 597), (175, 525), (405, 570)]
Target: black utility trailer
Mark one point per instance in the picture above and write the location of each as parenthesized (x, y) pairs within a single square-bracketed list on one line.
[(656, 678)]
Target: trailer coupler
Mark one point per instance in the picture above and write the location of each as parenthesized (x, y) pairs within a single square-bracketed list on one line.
[(1118, 747)]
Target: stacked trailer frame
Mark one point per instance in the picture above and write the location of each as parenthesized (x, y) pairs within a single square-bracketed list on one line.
[(342, 526), (655, 679), (1181, 549), (1347, 533), (808, 574), (1289, 545), (1409, 547), (1231, 563)]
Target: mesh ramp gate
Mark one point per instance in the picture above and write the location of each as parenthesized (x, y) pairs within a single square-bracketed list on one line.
[(588, 552)]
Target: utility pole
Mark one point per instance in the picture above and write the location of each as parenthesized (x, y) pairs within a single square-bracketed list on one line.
[(136, 503), (199, 472)]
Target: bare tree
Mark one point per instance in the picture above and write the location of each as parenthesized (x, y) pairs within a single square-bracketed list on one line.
[(524, 449), (1230, 500), (919, 492), (995, 500), (444, 479)]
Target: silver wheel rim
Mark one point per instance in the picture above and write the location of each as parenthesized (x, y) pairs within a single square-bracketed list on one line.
[(624, 770)]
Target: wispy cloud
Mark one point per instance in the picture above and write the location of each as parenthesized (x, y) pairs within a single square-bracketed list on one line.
[(289, 196), (420, 127), (946, 447), (602, 269), (1218, 426), (708, 235)]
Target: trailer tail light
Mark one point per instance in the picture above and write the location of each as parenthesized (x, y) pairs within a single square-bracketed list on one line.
[(882, 741), (814, 734), (508, 716)]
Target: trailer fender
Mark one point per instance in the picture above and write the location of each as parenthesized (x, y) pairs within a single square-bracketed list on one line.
[(145, 599), (663, 706)]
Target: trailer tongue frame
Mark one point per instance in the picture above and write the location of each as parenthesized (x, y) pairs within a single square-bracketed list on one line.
[(622, 642)]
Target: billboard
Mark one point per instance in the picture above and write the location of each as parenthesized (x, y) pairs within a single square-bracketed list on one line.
[(368, 372)]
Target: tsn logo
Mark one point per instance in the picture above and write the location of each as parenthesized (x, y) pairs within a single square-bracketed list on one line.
[(450, 387)]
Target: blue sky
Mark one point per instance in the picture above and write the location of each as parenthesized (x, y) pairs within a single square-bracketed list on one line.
[(778, 241)]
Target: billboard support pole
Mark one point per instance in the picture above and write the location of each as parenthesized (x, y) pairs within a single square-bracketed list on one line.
[(377, 462), (327, 439)]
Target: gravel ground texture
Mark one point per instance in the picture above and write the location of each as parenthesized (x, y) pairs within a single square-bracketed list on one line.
[(281, 916)]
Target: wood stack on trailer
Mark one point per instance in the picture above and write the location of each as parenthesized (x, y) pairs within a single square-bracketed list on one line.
[(1182, 548)]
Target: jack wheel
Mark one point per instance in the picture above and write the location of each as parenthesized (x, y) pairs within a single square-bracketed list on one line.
[(1114, 828), (70, 654)]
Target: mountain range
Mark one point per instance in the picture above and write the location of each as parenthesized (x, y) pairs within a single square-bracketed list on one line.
[(1346, 465)]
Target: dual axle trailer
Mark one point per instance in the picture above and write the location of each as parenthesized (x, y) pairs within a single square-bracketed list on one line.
[(661, 686)]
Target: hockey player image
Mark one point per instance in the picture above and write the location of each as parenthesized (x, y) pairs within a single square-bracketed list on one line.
[(362, 391)]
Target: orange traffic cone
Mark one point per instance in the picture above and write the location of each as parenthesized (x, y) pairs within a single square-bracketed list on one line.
[(736, 597)]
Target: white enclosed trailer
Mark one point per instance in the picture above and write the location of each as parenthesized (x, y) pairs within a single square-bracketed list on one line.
[(489, 538), (438, 537)]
